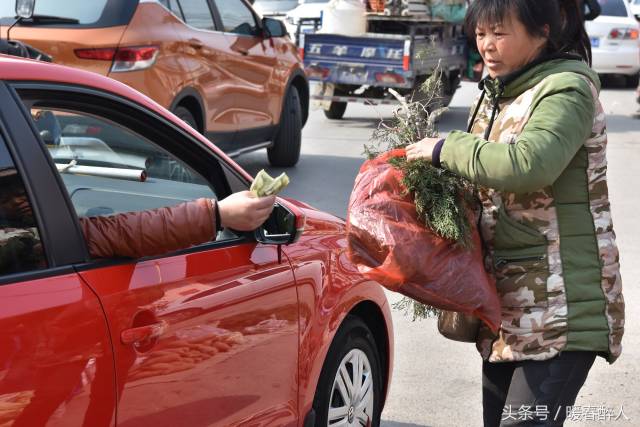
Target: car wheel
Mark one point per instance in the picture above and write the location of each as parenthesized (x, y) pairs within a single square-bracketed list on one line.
[(186, 116), (285, 150), (349, 391), (633, 81), (336, 110)]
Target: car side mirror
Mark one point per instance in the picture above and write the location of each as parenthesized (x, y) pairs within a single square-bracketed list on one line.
[(284, 226), (24, 8), (274, 27)]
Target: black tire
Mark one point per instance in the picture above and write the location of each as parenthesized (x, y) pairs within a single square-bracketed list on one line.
[(336, 110), (633, 81), (285, 150), (353, 335), (186, 116)]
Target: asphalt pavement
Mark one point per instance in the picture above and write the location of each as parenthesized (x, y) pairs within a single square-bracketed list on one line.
[(437, 382)]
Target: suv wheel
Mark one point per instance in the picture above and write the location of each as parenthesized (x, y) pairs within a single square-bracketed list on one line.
[(336, 110), (186, 116), (285, 150), (349, 391)]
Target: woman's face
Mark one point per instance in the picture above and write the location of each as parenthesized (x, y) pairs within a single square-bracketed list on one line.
[(507, 46)]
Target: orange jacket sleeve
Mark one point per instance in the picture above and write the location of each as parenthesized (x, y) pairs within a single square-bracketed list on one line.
[(150, 233)]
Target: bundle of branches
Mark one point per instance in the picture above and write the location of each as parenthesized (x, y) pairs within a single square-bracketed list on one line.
[(441, 197)]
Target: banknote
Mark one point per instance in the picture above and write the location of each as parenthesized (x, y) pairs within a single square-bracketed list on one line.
[(265, 185)]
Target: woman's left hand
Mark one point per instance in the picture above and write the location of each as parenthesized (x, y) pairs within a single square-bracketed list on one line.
[(422, 149)]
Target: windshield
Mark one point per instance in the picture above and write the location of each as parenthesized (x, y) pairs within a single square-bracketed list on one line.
[(92, 13), (613, 7)]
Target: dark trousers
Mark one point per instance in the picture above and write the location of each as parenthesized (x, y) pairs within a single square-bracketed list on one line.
[(533, 393)]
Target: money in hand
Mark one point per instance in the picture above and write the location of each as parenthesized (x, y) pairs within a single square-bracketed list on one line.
[(264, 185)]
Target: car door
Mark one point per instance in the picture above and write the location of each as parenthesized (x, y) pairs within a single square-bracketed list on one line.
[(56, 356), (206, 57), (203, 337), (254, 58)]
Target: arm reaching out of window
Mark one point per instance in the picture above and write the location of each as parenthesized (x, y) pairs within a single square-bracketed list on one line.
[(159, 231)]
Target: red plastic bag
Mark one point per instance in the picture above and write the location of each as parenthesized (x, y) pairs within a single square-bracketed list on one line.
[(391, 245)]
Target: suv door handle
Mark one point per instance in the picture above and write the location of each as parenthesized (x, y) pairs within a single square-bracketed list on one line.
[(142, 334), (195, 43)]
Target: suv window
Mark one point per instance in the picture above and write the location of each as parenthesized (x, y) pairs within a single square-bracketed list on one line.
[(109, 169), (95, 13), (197, 14), (20, 246), (173, 6), (236, 17), (613, 7)]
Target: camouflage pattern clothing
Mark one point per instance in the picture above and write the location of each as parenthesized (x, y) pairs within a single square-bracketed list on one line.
[(541, 170)]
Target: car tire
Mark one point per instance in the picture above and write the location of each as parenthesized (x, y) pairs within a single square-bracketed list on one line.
[(336, 110), (185, 115), (633, 81), (353, 348), (285, 150)]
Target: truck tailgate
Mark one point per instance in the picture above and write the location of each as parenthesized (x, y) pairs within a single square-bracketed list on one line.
[(367, 60)]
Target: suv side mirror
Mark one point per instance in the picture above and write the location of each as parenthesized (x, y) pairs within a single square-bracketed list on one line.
[(24, 8), (274, 28), (284, 226)]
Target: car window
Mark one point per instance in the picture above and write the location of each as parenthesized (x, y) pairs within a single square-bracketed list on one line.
[(613, 7), (236, 17), (20, 245), (173, 6), (197, 14), (109, 169), (98, 13)]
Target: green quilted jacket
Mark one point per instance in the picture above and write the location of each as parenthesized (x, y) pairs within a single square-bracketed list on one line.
[(536, 148)]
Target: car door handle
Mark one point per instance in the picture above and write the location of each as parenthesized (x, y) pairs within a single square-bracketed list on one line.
[(142, 333), (195, 43)]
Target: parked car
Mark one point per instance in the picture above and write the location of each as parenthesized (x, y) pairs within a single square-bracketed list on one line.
[(615, 42), (274, 8), (301, 18), (275, 327), (234, 77), (635, 8)]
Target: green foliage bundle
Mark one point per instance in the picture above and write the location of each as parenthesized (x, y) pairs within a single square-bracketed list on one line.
[(441, 197)]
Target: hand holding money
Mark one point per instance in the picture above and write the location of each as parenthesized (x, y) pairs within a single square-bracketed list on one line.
[(265, 185)]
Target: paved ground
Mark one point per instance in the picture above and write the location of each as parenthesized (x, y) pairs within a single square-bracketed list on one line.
[(437, 382)]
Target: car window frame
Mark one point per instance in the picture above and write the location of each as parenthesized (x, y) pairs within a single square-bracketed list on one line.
[(216, 22), (59, 233), (253, 12), (171, 137)]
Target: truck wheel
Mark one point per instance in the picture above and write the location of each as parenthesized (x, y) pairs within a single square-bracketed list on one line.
[(336, 110), (285, 150), (186, 116), (349, 391)]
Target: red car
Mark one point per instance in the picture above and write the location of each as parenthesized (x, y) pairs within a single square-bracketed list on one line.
[(275, 327)]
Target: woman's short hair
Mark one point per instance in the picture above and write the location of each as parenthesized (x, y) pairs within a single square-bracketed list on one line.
[(562, 17)]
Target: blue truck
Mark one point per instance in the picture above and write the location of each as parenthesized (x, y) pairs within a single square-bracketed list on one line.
[(396, 52)]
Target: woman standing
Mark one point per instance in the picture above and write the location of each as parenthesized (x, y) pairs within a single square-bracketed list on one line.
[(536, 149)]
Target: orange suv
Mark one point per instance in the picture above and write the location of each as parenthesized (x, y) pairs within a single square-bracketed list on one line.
[(233, 76)]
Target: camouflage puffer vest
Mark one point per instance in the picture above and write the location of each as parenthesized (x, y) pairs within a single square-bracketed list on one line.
[(552, 251)]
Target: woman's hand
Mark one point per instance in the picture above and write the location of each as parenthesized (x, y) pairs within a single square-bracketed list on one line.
[(422, 149), (243, 211)]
